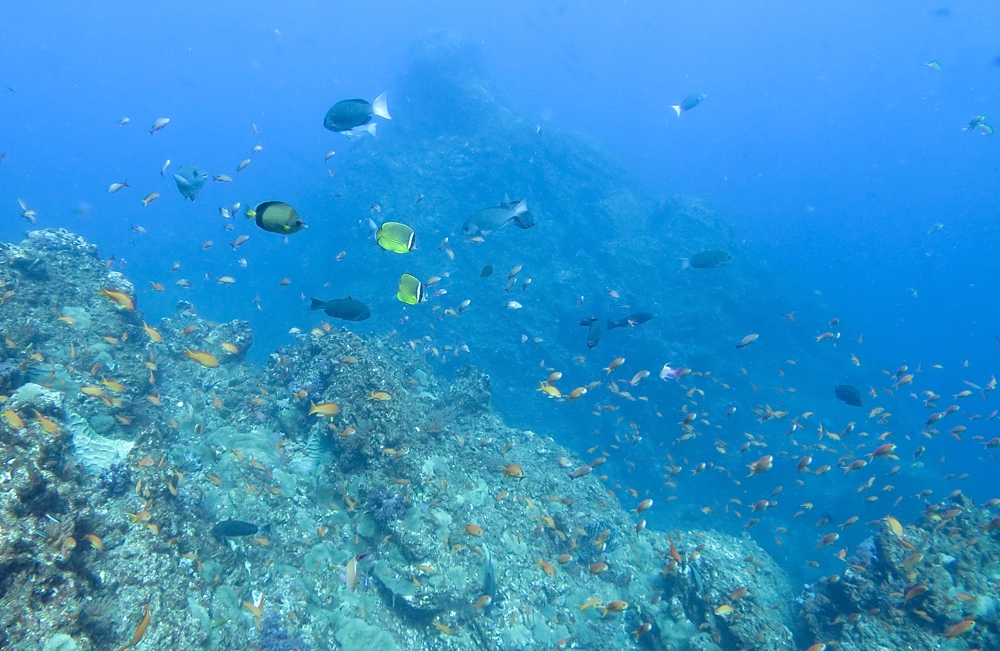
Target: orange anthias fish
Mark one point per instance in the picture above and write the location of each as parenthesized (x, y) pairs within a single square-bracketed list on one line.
[(205, 359), (139, 632), (959, 629), (121, 299), (153, 335), (13, 419), (47, 424), (616, 606), (549, 390), (615, 363), (324, 409)]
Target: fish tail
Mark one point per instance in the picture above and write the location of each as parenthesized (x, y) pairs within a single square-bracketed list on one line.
[(685, 263), (371, 130), (677, 109), (251, 213), (381, 108), (611, 325)]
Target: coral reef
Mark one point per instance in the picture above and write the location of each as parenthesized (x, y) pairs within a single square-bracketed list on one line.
[(420, 522), (909, 587)]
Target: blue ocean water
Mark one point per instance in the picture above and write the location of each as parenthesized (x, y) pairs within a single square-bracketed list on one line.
[(825, 141)]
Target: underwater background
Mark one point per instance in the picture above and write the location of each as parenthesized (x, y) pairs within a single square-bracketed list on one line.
[(840, 155)]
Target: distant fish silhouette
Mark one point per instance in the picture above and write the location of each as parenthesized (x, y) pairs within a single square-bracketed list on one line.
[(849, 395)]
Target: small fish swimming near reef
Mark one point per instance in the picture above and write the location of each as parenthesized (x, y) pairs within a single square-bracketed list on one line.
[(849, 395), (189, 180), (348, 114), (490, 220), (140, 631), (347, 309), (486, 272), (396, 237), (594, 335), (487, 575), (324, 409), (746, 341), (707, 260), (122, 300), (163, 170), (276, 217), (630, 321), (150, 198), (115, 187), (30, 214), (933, 65), (935, 228), (691, 101), (205, 359), (237, 528)]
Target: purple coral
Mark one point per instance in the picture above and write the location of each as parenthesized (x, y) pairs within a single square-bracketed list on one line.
[(384, 505), (275, 637), (117, 479)]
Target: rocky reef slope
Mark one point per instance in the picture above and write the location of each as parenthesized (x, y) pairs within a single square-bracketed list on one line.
[(412, 518)]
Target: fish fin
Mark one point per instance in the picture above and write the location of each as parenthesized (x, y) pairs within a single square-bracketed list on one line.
[(521, 207), (182, 181), (371, 130), (611, 325), (685, 263), (677, 109), (381, 108), (506, 200), (265, 529), (317, 304)]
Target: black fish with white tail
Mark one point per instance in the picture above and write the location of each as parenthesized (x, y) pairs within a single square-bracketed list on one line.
[(237, 528), (347, 309), (691, 101), (348, 114)]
